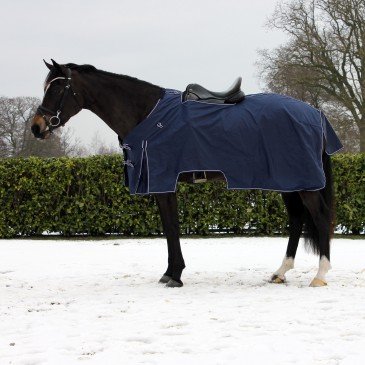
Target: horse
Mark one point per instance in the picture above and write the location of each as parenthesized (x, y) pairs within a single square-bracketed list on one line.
[(123, 102)]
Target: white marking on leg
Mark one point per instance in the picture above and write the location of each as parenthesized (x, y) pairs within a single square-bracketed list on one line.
[(287, 264), (324, 266)]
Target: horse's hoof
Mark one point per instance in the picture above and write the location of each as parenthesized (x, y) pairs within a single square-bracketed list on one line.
[(275, 279), (164, 279), (174, 284), (317, 283)]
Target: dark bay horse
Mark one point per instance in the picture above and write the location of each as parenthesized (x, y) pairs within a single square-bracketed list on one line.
[(122, 102)]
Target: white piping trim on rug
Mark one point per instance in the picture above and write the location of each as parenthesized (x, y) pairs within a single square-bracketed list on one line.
[(227, 186), (140, 169), (148, 171), (329, 154), (158, 101)]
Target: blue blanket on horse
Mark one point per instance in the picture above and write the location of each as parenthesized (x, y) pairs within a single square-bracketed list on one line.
[(268, 141)]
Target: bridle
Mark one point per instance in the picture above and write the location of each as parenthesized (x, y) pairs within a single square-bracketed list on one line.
[(55, 121)]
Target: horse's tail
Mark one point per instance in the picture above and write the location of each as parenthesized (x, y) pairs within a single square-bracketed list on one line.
[(311, 233)]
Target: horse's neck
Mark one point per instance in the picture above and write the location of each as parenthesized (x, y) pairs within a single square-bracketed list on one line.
[(121, 102)]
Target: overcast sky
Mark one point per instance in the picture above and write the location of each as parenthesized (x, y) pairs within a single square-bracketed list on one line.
[(167, 42)]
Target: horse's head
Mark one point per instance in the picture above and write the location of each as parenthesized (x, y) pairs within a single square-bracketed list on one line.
[(60, 101)]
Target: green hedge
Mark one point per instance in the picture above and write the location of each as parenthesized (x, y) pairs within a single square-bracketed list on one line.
[(86, 196), (349, 184)]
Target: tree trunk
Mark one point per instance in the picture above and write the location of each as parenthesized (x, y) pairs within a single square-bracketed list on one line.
[(362, 135)]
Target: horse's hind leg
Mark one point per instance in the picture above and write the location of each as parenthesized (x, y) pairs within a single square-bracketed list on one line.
[(318, 231), (167, 204), (295, 209)]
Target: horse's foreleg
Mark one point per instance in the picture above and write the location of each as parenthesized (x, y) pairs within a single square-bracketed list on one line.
[(295, 209), (167, 204)]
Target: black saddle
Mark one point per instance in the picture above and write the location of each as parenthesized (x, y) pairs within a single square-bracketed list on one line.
[(197, 92)]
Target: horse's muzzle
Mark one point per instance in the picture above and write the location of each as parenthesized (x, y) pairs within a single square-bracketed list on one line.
[(39, 127)]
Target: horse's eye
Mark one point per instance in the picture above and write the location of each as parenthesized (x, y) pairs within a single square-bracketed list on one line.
[(55, 91)]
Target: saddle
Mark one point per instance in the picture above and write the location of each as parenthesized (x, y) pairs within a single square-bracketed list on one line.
[(231, 96)]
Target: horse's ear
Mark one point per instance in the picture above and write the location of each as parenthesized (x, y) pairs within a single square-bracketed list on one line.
[(62, 69), (49, 66), (55, 64)]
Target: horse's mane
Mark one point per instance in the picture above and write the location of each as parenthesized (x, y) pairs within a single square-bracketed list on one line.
[(91, 69)]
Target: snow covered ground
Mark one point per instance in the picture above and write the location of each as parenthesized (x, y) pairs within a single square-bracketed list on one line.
[(98, 302)]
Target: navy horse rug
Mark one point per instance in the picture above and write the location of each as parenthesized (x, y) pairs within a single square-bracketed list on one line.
[(267, 141)]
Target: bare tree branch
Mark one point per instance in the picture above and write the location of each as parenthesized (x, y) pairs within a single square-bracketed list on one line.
[(16, 138), (324, 57)]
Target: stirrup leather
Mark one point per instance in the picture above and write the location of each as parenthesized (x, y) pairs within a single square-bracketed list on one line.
[(199, 177)]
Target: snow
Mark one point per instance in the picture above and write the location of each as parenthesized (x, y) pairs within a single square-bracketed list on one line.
[(98, 302)]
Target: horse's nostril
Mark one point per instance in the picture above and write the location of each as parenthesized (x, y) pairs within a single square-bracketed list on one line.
[(36, 129)]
